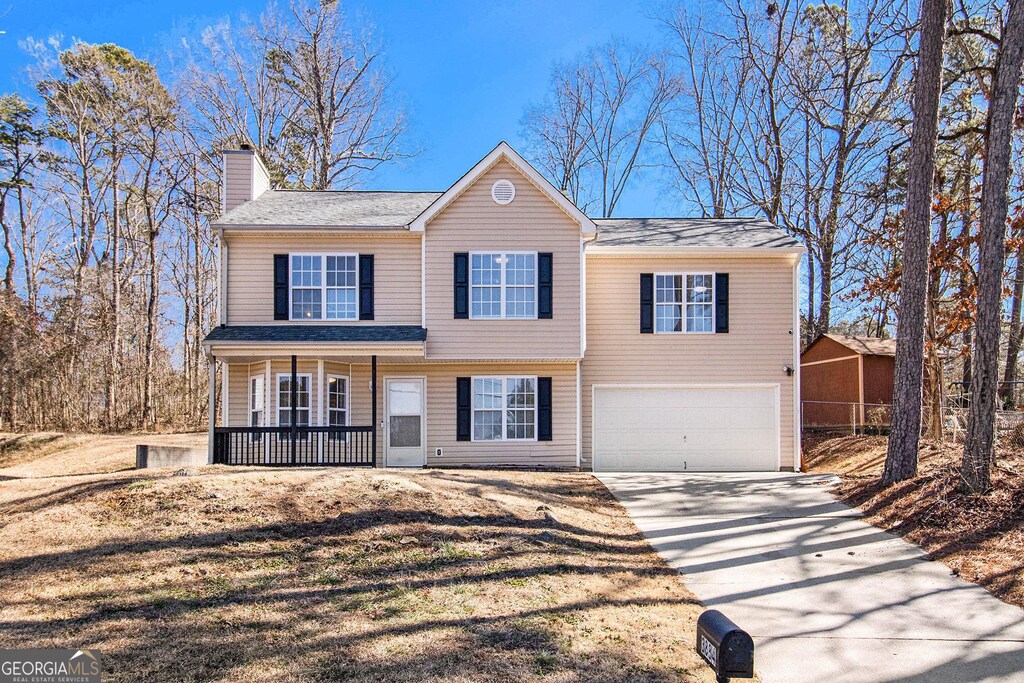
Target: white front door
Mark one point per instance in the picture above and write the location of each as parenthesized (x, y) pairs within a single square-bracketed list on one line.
[(404, 422)]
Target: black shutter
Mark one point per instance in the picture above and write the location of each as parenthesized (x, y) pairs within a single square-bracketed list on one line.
[(543, 409), (463, 412), (721, 302), (280, 286), (366, 286), (647, 303), (544, 285), (462, 285)]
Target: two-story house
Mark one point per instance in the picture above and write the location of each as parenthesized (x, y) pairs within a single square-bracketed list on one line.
[(495, 324)]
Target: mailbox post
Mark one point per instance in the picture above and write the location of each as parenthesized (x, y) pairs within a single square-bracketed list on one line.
[(728, 649)]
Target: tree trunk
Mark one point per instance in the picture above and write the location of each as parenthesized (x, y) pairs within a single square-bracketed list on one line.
[(933, 388), (809, 334), (905, 433), (115, 304), (824, 321), (8, 248), (967, 216), (977, 463), (1009, 388), (148, 409), (934, 426)]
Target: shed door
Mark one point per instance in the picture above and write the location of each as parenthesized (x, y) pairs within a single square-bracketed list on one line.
[(679, 429)]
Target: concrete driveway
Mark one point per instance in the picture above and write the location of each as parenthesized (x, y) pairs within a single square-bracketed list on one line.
[(826, 596)]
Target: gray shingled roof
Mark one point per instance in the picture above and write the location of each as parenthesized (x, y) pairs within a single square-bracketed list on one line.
[(317, 333), (319, 208), (359, 209), (728, 233)]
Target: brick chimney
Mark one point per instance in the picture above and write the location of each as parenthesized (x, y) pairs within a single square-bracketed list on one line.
[(245, 177)]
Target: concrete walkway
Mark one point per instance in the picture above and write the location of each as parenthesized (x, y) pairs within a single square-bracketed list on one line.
[(826, 596)]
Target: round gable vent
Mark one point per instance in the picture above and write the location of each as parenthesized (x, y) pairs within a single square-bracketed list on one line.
[(503, 192)]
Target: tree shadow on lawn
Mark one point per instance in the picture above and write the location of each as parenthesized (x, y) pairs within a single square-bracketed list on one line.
[(496, 597)]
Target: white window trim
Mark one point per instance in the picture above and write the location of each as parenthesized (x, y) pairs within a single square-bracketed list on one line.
[(263, 381), (277, 394), (323, 286), (504, 408), (714, 301), (326, 397), (501, 287)]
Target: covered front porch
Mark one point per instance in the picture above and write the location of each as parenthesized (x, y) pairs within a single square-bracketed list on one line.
[(304, 401)]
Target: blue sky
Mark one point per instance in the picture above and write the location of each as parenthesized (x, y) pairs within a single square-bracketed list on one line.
[(464, 69)]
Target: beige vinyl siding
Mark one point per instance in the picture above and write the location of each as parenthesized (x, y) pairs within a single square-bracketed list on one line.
[(396, 264), (756, 349), (473, 223), (238, 396), (441, 418), (440, 407), (238, 179)]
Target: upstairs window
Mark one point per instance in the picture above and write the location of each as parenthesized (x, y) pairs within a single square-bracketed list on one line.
[(684, 302), (503, 285), (324, 287)]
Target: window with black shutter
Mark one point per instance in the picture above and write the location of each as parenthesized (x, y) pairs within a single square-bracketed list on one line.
[(461, 267), (280, 286), (366, 286), (647, 303), (721, 302), (463, 410), (543, 409), (544, 285)]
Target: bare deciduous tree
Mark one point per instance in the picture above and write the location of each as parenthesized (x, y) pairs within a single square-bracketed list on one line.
[(308, 91), (789, 113), (700, 130), (594, 129)]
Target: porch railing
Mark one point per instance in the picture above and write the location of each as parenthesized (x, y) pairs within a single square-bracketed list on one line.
[(298, 446)]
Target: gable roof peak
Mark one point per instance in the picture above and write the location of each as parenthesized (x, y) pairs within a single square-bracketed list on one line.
[(504, 151)]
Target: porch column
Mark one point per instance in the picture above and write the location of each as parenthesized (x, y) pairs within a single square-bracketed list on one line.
[(225, 380), (294, 408), (320, 394), (268, 386), (373, 408), (212, 407)]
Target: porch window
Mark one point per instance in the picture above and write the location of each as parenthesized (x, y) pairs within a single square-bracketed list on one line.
[(323, 287), (337, 401), (684, 302), (503, 285), (256, 401), (284, 400), (504, 408), (256, 404)]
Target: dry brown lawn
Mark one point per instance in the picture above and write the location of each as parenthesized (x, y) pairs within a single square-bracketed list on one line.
[(235, 574), (54, 454), (980, 538)]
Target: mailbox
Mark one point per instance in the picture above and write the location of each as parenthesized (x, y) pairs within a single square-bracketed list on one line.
[(726, 647)]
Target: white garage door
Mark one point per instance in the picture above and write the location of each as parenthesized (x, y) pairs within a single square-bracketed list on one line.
[(677, 429)]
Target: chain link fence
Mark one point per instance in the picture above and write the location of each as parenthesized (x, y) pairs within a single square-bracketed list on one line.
[(875, 418), (840, 416)]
